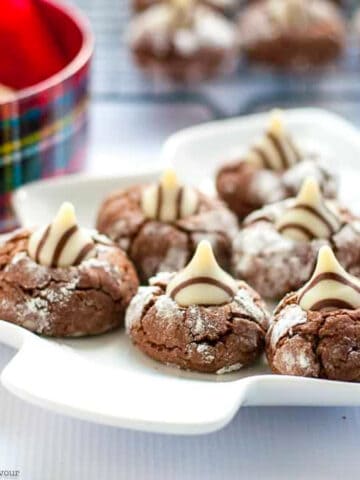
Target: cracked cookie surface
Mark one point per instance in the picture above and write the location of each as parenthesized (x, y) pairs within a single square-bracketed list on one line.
[(86, 299), (156, 246), (245, 187), (320, 344), (200, 338), (275, 265)]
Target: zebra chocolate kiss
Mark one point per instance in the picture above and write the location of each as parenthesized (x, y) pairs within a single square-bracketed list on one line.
[(62, 243), (310, 217), (168, 201), (290, 13), (276, 150), (330, 287), (202, 281)]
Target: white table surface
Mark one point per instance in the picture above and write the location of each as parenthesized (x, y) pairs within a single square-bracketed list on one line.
[(271, 443)]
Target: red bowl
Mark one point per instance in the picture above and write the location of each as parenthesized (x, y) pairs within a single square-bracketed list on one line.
[(43, 127)]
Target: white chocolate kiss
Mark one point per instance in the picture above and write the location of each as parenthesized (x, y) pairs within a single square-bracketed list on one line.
[(169, 200), (276, 150), (290, 13), (330, 287), (310, 217), (202, 281), (62, 243)]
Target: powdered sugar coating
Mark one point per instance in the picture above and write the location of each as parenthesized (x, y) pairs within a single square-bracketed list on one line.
[(86, 299), (174, 258), (246, 302), (198, 327), (205, 350), (167, 309), (35, 312), (267, 187), (101, 263), (258, 22), (294, 177), (203, 338), (274, 264), (271, 212), (37, 273), (138, 304), (294, 359), (207, 29), (346, 243), (288, 318), (271, 263)]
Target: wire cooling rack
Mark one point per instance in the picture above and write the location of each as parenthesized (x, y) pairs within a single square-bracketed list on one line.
[(117, 79)]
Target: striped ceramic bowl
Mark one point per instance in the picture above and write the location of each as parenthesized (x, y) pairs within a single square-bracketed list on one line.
[(43, 128)]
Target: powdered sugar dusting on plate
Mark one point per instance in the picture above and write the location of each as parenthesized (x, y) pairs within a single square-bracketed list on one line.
[(229, 369)]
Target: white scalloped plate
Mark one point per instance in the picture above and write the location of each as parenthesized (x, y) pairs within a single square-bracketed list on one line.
[(197, 152), (105, 379)]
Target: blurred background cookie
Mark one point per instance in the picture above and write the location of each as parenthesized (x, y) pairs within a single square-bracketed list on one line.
[(272, 169), (294, 34), (184, 41)]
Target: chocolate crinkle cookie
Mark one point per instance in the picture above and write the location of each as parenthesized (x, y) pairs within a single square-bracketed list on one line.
[(271, 170), (183, 41), (292, 34), (159, 225), (276, 249), (43, 288), (315, 332), (198, 319), (223, 6)]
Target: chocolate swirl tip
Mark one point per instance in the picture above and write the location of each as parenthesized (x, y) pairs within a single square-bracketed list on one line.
[(202, 281), (330, 286), (310, 217), (168, 200), (62, 243), (276, 150)]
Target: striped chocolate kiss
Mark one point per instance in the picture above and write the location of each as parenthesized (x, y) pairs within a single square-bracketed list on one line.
[(62, 243), (290, 13), (182, 12), (276, 150), (168, 201), (202, 281), (330, 287), (310, 217)]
